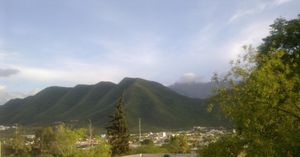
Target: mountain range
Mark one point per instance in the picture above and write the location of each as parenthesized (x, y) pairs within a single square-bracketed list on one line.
[(158, 106)]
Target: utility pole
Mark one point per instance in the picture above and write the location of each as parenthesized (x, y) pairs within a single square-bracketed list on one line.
[(140, 130), (16, 129), (0, 149), (90, 130)]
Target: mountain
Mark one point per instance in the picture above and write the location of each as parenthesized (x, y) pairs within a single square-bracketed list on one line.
[(158, 106), (193, 89)]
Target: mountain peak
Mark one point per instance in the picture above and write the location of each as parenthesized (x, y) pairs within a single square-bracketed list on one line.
[(127, 81), (132, 79), (105, 83)]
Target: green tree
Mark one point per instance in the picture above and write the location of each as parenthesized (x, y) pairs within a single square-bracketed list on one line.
[(147, 142), (178, 144), (117, 131), (263, 98), (284, 35), (149, 149), (228, 145), (102, 149), (57, 141), (17, 146), (65, 140), (44, 139)]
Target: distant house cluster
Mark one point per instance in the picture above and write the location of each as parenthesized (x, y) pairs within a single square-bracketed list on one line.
[(3, 127)]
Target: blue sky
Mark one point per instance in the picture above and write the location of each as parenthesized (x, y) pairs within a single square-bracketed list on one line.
[(68, 42)]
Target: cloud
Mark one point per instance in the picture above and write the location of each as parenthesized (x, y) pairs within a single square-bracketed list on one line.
[(259, 7), (280, 2), (190, 77), (8, 72), (72, 72), (6, 95), (251, 35), (116, 60), (40, 74), (144, 52), (2, 88)]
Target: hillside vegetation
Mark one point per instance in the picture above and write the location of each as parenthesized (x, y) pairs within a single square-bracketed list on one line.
[(157, 106)]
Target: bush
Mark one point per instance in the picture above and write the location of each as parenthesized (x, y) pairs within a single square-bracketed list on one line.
[(228, 145)]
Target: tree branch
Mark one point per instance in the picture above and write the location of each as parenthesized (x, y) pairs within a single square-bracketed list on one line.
[(288, 112), (297, 106)]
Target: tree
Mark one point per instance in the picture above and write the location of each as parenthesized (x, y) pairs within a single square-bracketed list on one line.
[(263, 99), (228, 145), (284, 35), (117, 131), (102, 149), (148, 149), (178, 144), (44, 140), (61, 141), (147, 142), (56, 141), (17, 146)]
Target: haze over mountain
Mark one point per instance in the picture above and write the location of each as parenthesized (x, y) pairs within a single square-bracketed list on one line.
[(158, 106), (193, 89), (6, 96)]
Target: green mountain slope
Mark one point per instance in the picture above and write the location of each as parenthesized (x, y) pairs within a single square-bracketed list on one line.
[(158, 106)]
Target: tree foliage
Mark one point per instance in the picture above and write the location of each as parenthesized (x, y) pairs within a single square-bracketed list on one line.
[(284, 35), (148, 149), (147, 142), (17, 145), (117, 131), (229, 146), (178, 144), (56, 141), (263, 99)]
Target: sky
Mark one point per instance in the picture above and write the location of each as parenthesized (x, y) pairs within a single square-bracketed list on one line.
[(67, 42)]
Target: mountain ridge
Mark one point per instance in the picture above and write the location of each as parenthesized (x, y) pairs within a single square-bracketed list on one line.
[(157, 105)]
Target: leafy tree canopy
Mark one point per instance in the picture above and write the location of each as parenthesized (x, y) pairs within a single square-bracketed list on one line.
[(263, 99), (57, 141), (178, 144)]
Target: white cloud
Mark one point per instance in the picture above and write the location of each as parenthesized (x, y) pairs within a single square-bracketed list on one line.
[(190, 77), (141, 54), (7, 55), (251, 35), (2, 88), (242, 12), (239, 14), (78, 73), (119, 60), (280, 2), (6, 95), (213, 58), (259, 6), (40, 74)]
